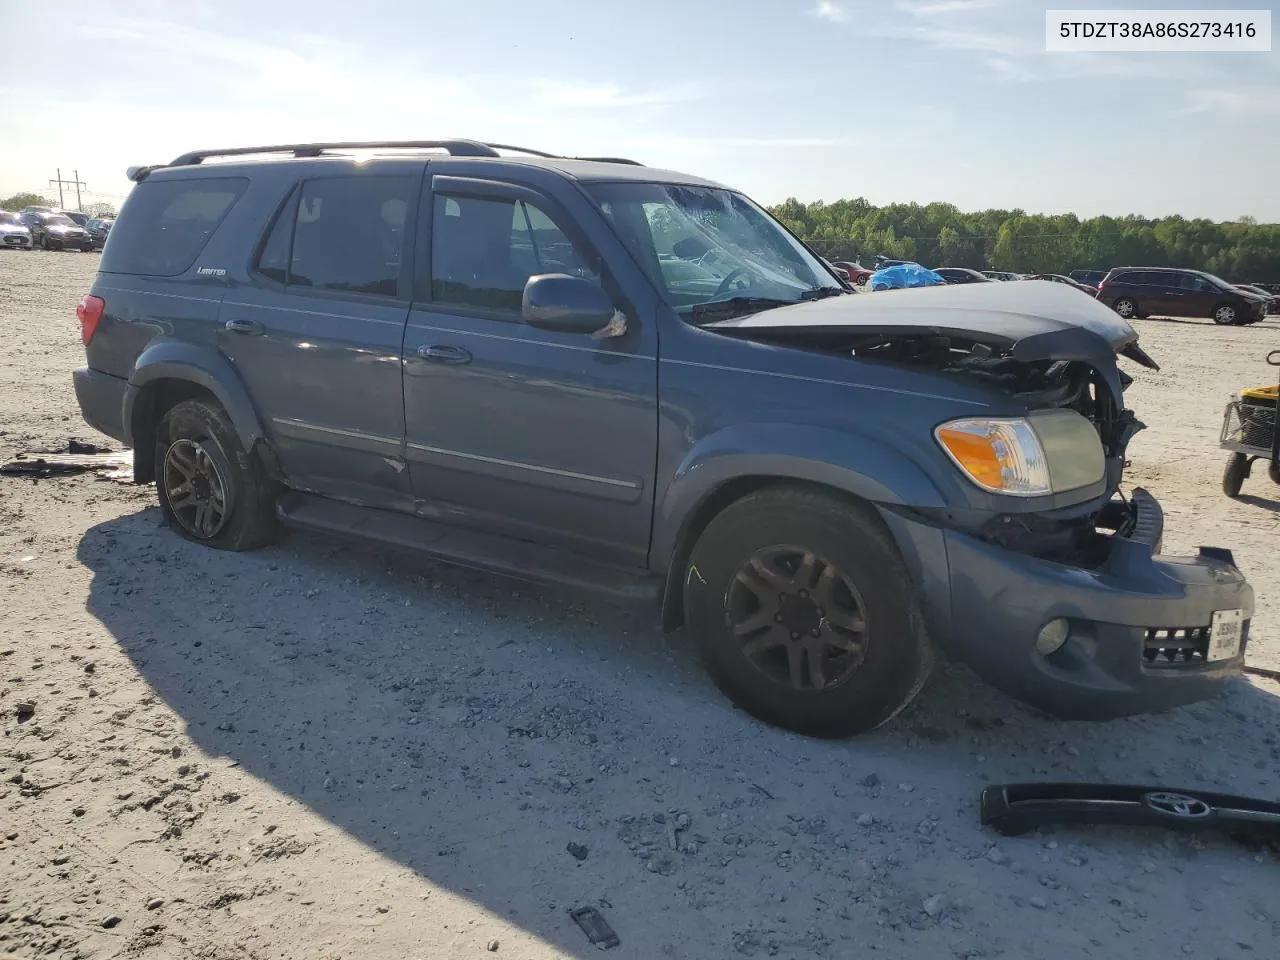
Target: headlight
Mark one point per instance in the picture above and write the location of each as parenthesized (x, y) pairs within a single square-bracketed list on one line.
[(1051, 451)]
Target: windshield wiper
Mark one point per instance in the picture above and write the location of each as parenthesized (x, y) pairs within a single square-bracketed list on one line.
[(821, 293), (736, 307)]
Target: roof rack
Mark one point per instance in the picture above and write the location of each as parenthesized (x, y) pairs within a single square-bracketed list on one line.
[(456, 148), (556, 156)]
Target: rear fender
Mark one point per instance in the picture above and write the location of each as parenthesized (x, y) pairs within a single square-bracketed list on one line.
[(202, 366)]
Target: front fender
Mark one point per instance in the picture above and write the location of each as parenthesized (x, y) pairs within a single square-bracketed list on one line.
[(175, 360), (858, 464)]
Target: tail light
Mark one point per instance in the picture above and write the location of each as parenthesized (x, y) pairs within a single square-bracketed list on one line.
[(1101, 284), (90, 312)]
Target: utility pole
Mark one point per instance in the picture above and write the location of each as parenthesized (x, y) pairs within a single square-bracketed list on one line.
[(77, 183)]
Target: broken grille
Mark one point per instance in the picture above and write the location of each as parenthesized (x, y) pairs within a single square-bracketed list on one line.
[(1176, 646)]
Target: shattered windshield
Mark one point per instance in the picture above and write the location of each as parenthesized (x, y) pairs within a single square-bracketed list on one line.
[(704, 247)]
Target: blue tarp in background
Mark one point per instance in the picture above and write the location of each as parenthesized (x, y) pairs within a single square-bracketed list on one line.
[(903, 275)]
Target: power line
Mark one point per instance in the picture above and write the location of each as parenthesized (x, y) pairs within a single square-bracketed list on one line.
[(75, 182)]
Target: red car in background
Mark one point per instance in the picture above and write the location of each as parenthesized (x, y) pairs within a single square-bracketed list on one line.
[(857, 273)]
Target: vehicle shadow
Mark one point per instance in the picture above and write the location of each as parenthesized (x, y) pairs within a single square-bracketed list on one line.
[(470, 728), (1266, 503)]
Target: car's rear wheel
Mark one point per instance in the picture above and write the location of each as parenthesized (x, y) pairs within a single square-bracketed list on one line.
[(211, 491), (1233, 476), (1126, 308), (1224, 314), (805, 613)]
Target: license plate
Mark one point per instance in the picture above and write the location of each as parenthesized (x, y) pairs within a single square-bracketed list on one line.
[(1225, 632)]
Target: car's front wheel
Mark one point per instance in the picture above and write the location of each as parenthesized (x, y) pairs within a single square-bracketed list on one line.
[(1224, 314), (805, 612), (210, 490)]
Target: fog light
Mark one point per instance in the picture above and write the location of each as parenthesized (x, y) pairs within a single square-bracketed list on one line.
[(1052, 636)]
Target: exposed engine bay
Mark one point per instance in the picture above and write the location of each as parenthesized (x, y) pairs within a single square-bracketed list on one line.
[(1077, 535)]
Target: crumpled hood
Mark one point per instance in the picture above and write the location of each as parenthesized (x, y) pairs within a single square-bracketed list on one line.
[(1031, 319), (1007, 311)]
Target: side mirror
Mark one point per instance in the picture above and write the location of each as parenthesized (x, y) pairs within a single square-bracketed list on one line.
[(557, 301)]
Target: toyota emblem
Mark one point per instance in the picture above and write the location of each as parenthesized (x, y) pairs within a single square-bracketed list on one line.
[(1177, 805)]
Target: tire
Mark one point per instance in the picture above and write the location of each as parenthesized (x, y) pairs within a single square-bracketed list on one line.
[(197, 436), (855, 690), (862, 280), (1224, 314), (1233, 476), (1126, 308)]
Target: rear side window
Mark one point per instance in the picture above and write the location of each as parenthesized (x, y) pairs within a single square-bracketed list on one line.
[(166, 223), (344, 234)]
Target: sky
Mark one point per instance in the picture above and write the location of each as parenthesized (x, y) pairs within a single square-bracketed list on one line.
[(896, 101)]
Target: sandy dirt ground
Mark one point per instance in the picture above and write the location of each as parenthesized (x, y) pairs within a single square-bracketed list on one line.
[(321, 751)]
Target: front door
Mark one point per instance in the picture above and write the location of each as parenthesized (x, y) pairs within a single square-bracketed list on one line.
[(540, 435), (317, 334)]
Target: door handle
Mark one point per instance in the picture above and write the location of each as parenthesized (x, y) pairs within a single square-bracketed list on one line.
[(250, 328), (444, 353)]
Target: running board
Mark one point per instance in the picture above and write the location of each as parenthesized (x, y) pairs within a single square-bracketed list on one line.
[(1018, 808), (465, 548)]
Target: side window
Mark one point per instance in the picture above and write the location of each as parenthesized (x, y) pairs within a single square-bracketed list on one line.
[(483, 251), (342, 233), (273, 261), (165, 224)]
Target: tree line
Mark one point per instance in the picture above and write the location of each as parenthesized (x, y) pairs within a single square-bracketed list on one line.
[(941, 235)]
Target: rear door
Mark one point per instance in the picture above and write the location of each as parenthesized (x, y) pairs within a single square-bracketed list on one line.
[(1176, 294), (318, 332), (535, 434)]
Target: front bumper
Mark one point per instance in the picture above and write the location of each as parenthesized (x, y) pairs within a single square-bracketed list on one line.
[(1139, 621), (101, 398)]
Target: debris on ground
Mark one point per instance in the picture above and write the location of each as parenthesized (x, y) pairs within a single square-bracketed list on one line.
[(75, 457), (595, 926)]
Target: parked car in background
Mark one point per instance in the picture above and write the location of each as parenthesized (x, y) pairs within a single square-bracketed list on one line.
[(840, 272), (1059, 278), (858, 274), (1090, 278), (961, 275), (1000, 275), (56, 231), (1177, 292), (1273, 299), (78, 218), (98, 228), (14, 234)]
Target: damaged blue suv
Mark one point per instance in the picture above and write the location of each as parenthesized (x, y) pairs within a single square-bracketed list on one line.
[(594, 373)]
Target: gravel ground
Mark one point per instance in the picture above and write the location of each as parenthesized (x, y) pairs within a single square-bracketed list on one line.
[(323, 751)]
